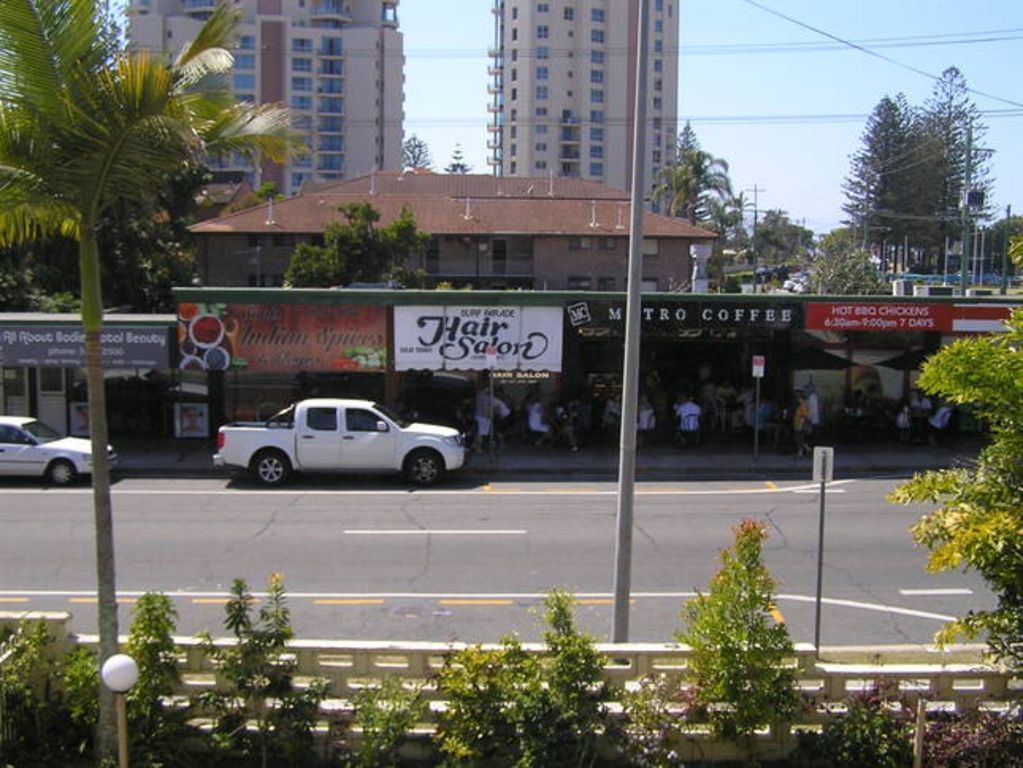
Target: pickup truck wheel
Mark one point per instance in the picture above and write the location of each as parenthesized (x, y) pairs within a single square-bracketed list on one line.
[(61, 472), (424, 467), (271, 467)]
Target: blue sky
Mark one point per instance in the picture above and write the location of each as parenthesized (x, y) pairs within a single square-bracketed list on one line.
[(800, 162)]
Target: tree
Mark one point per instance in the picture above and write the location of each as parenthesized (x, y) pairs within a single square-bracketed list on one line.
[(779, 240), (357, 251), (415, 153), (84, 125), (738, 651), (687, 185), (841, 267), (878, 190), (978, 522), (458, 164)]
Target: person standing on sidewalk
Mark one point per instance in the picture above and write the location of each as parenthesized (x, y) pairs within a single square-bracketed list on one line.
[(801, 425)]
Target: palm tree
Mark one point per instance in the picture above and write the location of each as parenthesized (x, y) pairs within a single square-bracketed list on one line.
[(84, 124), (687, 184)]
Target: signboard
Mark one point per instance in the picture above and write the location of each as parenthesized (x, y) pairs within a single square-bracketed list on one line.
[(876, 316), (823, 464), (662, 318), (124, 346), (758, 366), (906, 316), (191, 420), (282, 337), (458, 338)]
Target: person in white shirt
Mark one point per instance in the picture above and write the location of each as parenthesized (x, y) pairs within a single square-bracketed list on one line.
[(646, 420), (688, 414), (536, 421)]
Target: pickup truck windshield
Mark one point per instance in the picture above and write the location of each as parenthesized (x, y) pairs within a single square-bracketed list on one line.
[(392, 415)]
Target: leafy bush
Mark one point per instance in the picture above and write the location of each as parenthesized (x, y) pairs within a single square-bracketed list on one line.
[(385, 715), (869, 734), (974, 740), (738, 651), (508, 707), (653, 715), (47, 705), (261, 689)]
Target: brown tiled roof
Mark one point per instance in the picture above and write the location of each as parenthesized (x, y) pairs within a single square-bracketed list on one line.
[(454, 204)]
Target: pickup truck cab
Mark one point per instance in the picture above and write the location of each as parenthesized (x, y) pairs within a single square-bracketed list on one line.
[(333, 435)]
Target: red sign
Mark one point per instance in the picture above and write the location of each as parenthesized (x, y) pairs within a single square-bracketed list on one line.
[(283, 337), (758, 366), (868, 316)]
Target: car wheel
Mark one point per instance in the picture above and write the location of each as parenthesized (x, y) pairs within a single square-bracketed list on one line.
[(271, 468), (424, 467), (61, 472)]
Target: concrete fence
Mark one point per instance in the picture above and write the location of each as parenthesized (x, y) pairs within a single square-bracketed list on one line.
[(951, 680)]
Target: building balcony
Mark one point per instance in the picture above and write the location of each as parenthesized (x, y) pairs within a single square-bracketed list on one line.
[(493, 128), (493, 90), (200, 9), (571, 120), (495, 108), (495, 70), (569, 153), (494, 162), (331, 10), (492, 145), (495, 53)]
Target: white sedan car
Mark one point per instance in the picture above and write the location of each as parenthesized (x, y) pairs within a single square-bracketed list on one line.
[(30, 447)]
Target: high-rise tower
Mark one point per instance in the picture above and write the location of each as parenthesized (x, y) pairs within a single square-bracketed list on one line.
[(337, 63), (563, 76)]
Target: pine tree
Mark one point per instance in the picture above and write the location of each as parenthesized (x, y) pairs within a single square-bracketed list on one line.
[(458, 164), (415, 153)]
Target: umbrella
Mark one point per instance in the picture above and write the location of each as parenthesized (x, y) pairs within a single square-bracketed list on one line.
[(909, 360), (817, 359)]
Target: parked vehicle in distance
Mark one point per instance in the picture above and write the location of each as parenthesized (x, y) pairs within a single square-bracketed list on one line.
[(31, 447), (339, 435)]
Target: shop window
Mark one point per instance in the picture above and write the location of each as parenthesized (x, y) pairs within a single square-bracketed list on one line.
[(605, 283), (51, 380), (579, 283)]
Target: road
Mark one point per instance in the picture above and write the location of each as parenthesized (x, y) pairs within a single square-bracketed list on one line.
[(372, 560)]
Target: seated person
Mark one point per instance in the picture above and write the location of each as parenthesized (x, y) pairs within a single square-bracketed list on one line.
[(688, 414), (939, 422), (536, 422)]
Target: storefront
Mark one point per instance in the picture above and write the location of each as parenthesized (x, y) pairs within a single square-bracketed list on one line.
[(42, 358)]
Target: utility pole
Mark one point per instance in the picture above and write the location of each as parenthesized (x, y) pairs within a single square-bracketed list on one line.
[(756, 212), (1005, 251), (630, 368), (966, 210)]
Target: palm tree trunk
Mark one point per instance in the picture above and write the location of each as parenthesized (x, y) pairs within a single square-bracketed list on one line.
[(92, 323)]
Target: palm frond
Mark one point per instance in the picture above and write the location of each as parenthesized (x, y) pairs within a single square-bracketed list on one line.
[(201, 70), (24, 223), (265, 128), (218, 31)]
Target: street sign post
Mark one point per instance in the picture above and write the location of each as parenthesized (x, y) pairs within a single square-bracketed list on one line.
[(823, 472), (759, 363)]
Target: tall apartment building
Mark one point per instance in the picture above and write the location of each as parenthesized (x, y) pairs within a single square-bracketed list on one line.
[(337, 63), (563, 86)]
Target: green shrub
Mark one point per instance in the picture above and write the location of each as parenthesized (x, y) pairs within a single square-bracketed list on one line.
[(738, 651), (654, 714), (869, 734), (385, 715), (508, 707), (974, 740)]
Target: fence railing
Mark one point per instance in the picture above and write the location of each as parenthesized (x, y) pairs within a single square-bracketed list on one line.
[(955, 679)]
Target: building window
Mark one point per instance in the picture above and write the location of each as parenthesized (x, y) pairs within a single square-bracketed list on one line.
[(597, 36), (597, 76), (540, 165), (301, 83), (596, 134), (658, 26), (332, 67), (331, 144), (514, 95), (243, 82), (331, 85), (579, 283), (515, 34), (541, 111), (657, 102), (541, 92), (543, 7), (330, 105), (247, 43), (542, 32), (658, 46), (597, 96), (331, 124), (244, 61), (605, 283), (596, 169), (656, 156), (515, 12), (331, 46), (540, 146), (597, 15), (569, 14), (658, 66), (596, 116), (597, 151), (541, 73), (540, 130), (596, 57), (514, 74), (301, 65), (301, 45), (301, 102), (543, 52)]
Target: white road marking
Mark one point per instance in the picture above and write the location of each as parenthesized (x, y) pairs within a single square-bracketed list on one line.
[(432, 532), (188, 594), (491, 491), (932, 592)]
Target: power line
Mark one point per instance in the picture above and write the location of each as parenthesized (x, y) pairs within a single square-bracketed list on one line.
[(871, 52)]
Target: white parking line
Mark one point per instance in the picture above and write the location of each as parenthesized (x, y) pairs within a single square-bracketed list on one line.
[(934, 592)]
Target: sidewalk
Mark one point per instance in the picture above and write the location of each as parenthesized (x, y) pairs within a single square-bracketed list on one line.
[(719, 458)]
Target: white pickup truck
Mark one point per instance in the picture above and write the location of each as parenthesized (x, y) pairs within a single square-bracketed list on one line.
[(331, 435)]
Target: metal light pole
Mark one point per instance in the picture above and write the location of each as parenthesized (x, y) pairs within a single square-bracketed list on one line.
[(630, 372)]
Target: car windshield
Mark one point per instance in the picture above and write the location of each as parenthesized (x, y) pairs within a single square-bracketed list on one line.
[(392, 415), (44, 433)]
